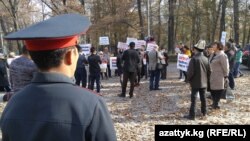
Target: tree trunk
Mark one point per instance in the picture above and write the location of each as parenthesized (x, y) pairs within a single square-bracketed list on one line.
[(222, 19), (248, 36), (83, 5), (140, 20), (216, 14), (208, 26), (151, 18), (171, 39), (177, 22), (194, 17), (159, 24), (236, 21), (245, 25)]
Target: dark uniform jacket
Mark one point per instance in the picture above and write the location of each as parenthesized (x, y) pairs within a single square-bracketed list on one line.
[(52, 108), (3, 73), (81, 62), (231, 58), (131, 60), (94, 64), (119, 62), (198, 71)]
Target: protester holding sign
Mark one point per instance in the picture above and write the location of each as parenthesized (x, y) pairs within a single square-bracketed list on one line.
[(103, 65), (154, 58), (106, 55), (81, 73)]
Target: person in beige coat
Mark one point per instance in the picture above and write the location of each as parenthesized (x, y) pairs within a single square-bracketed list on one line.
[(219, 73)]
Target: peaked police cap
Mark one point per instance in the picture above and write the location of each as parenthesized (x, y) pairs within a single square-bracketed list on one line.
[(57, 32)]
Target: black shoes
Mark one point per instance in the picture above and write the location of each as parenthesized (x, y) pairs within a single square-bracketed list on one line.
[(121, 95), (157, 89), (189, 117), (214, 107), (130, 95), (150, 89)]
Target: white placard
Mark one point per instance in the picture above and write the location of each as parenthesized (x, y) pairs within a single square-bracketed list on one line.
[(104, 40), (151, 46), (177, 50), (139, 44), (85, 48), (112, 63), (122, 45), (144, 61), (182, 62), (129, 40), (103, 66), (223, 37)]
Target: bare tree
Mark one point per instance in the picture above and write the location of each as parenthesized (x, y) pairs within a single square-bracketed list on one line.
[(236, 21), (171, 39), (222, 19), (83, 5), (159, 23), (140, 19), (245, 24), (216, 14), (12, 8)]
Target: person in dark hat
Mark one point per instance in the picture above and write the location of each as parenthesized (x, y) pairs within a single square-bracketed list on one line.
[(197, 76), (52, 107), (131, 61)]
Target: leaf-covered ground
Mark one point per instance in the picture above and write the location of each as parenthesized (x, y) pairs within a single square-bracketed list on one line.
[(135, 119)]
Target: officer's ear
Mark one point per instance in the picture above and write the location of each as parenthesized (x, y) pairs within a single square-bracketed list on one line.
[(68, 59)]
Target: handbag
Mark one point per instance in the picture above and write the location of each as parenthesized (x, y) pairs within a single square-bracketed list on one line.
[(159, 65), (227, 93)]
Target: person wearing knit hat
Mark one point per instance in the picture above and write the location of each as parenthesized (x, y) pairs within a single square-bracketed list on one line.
[(197, 76), (52, 107)]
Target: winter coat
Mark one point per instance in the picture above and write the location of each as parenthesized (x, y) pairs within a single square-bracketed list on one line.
[(3, 73), (219, 70), (198, 71)]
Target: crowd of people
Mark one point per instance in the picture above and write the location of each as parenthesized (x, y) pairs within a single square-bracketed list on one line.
[(212, 68), (49, 105), (52, 106)]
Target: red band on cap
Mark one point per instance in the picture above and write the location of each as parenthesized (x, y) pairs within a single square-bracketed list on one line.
[(50, 44)]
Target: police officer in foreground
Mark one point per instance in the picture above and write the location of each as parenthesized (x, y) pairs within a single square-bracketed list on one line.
[(52, 107)]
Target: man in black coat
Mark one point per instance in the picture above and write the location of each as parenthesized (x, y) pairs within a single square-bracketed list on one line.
[(197, 76), (131, 61), (81, 73), (52, 107), (4, 81), (94, 69)]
